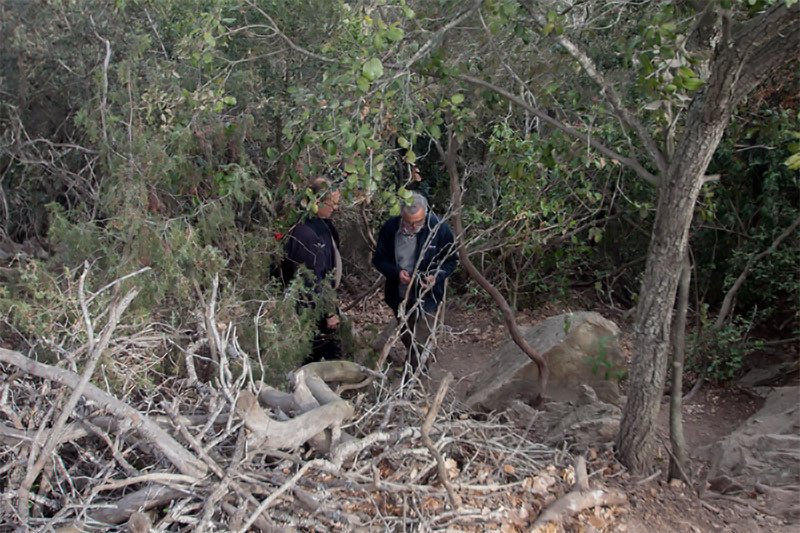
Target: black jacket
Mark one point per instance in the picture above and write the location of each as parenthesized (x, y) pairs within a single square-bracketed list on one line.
[(310, 244), (439, 258)]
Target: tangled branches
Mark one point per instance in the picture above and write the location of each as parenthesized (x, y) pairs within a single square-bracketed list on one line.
[(196, 458)]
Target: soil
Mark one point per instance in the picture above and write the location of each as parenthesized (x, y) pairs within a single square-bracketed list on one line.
[(472, 335)]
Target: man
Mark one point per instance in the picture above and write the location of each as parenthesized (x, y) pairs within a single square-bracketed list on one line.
[(416, 253), (315, 245)]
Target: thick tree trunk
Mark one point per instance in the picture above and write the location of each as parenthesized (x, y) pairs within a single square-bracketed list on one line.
[(677, 194), (741, 61)]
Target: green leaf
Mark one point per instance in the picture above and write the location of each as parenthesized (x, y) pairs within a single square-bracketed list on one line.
[(692, 84), (411, 157), (379, 41), (403, 142), (363, 83), (372, 69), (551, 16), (394, 34), (403, 193), (457, 98), (435, 131), (209, 39), (548, 28), (408, 12), (230, 100), (793, 163), (350, 168)]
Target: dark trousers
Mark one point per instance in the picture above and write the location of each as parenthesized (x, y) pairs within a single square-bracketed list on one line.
[(325, 345), (416, 336)]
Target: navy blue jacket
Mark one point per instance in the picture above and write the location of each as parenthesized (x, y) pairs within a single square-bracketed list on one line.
[(310, 244), (439, 258)]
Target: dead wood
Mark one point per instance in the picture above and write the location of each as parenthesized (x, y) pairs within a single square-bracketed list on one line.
[(579, 498), (455, 501), (160, 439), (226, 470)]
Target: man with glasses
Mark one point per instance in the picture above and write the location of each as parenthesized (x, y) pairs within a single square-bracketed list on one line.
[(314, 244), (416, 253)]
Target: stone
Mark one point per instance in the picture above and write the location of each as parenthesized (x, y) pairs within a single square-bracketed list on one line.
[(763, 451), (579, 348), (583, 424)]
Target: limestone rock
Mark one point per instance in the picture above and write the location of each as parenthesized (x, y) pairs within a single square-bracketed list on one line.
[(579, 348), (764, 451), (582, 423)]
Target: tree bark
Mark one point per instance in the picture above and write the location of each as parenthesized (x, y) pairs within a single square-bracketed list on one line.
[(679, 460), (738, 62)]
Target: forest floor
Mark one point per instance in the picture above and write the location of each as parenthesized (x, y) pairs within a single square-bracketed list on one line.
[(473, 335)]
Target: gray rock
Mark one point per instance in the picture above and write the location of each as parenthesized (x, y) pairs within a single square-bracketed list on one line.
[(583, 423), (579, 348), (764, 451)]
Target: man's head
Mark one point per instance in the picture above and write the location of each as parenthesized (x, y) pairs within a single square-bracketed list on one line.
[(328, 197), (412, 216)]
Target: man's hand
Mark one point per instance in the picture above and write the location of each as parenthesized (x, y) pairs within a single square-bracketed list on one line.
[(428, 281), (332, 321), (405, 277)]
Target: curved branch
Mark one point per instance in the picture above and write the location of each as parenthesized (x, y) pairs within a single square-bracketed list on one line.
[(611, 95), (727, 302), (449, 158), (591, 141)]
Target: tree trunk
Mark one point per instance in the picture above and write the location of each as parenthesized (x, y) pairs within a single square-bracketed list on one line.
[(679, 460), (677, 194), (740, 63)]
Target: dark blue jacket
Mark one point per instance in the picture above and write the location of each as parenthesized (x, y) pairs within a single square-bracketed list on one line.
[(310, 244), (439, 258)]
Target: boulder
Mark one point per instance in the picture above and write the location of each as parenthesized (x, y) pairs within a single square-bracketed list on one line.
[(579, 348), (765, 450)]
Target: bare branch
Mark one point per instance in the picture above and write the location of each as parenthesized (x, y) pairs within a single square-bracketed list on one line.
[(591, 141)]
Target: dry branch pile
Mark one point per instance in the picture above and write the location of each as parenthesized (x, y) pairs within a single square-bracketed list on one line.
[(347, 448), (223, 457)]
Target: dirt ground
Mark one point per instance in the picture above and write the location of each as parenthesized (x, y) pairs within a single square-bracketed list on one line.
[(471, 337)]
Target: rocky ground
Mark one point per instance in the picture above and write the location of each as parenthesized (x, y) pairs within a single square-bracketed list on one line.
[(472, 335)]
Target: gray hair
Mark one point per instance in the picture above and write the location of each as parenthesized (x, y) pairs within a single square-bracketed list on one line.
[(417, 201)]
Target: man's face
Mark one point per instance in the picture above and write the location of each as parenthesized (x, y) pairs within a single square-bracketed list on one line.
[(329, 204), (411, 223)]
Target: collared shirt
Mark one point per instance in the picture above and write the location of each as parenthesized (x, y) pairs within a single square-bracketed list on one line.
[(405, 247)]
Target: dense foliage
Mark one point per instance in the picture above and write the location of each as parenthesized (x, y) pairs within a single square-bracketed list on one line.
[(177, 135)]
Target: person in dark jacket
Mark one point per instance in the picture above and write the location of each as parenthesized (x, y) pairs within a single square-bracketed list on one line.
[(416, 253), (314, 244)]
